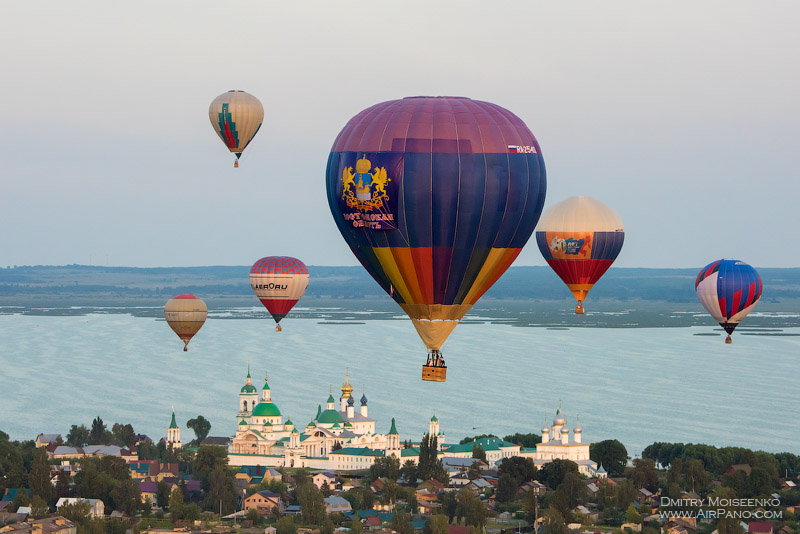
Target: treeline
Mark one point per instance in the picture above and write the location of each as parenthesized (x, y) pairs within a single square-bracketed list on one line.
[(716, 460), (519, 283)]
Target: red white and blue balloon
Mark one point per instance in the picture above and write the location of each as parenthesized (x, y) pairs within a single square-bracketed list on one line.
[(728, 290)]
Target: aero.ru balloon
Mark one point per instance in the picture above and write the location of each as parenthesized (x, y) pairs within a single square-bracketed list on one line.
[(279, 282)]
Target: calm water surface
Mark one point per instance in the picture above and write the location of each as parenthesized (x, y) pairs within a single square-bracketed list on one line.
[(633, 384)]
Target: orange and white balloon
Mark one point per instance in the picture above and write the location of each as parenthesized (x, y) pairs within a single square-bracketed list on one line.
[(185, 314)]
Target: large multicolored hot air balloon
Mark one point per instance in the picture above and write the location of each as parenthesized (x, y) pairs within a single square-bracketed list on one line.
[(728, 290), (436, 196), (236, 117), (185, 314), (279, 282), (580, 238)]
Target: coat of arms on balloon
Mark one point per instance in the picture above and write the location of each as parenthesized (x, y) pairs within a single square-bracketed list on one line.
[(368, 194)]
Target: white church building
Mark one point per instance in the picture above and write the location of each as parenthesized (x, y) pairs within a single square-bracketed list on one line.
[(338, 437), (557, 444)]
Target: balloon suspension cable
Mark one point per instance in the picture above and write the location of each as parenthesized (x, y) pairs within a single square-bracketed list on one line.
[(728, 340)]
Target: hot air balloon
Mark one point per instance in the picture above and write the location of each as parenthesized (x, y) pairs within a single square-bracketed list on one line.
[(279, 282), (580, 238), (436, 196), (236, 117), (185, 314), (728, 290)]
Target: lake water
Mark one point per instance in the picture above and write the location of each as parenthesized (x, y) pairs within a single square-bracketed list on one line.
[(637, 385)]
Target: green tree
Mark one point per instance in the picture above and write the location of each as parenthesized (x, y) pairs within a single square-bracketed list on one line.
[(115, 467), (176, 503), (355, 525), (528, 441), (39, 477), (98, 431), (77, 512), (759, 483), (401, 522), (728, 523), (696, 475), (62, 483), (553, 523), (531, 505), (388, 467), (39, 508), (643, 474), (78, 436), (124, 436), (449, 504), (439, 524), (146, 450), (126, 497), (221, 490), (611, 454), (94, 526), (474, 471), (409, 472), (191, 512), (428, 457), (116, 526), (520, 469), (552, 473), (506, 488), (328, 527), (285, 525), (201, 427), (208, 458), (631, 515), (471, 508), (478, 452), (162, 494), (573, 486), (367, 497), (625, 494), (312, 504), (675, 472)]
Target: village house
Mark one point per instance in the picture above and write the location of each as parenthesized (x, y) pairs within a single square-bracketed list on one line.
[(48, 525), (334, 505), (263, 502), (43, 440), (152, 470)]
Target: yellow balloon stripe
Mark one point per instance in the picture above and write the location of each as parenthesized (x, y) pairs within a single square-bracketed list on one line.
[(495, 257), (405, 263), (385, 258)]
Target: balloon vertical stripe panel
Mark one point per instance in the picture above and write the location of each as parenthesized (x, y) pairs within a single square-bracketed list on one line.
[(435, 197), (728, 290), (236, 117)]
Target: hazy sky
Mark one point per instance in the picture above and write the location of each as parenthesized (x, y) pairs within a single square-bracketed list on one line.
[(683, 116)]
